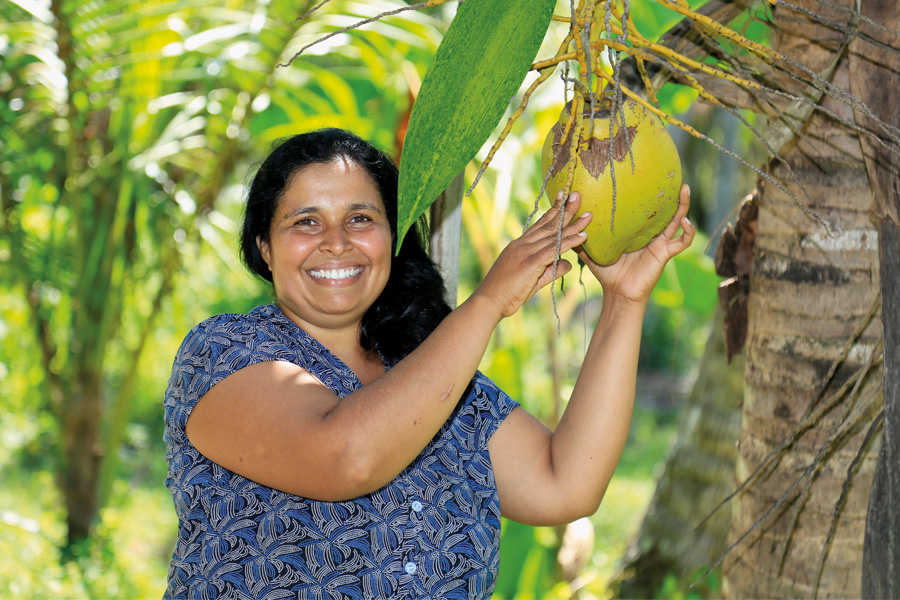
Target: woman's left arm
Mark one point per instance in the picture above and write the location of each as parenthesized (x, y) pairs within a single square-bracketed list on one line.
[(551, 478)]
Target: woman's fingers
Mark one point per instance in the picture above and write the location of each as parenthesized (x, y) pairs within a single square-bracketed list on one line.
[(549, 221), (677, 245), (562, 267), (682, 242), (684, 203), (543, 248), (552, 225)]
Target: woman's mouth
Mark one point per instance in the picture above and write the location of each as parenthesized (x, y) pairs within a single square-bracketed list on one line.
[(335, 273)]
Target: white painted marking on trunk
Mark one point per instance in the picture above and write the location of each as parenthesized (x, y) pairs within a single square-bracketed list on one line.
[(851, 240)]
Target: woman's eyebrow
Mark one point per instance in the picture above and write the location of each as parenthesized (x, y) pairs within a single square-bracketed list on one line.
[(303, 210), (364, 206)]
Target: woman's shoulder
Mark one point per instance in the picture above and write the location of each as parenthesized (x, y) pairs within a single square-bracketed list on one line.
[(234, 321), (233, 326), (221, 345), (228, 337)]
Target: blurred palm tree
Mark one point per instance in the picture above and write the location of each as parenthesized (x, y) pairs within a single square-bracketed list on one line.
[(122, 124)]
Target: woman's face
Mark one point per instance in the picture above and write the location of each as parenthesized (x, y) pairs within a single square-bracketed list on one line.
[(329, 247)]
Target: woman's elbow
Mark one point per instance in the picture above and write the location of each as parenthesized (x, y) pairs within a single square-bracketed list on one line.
[(354, 472), (578, 506), (554, 513), (585, 509)]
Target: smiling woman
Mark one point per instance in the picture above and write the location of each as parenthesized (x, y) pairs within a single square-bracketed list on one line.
[(329, 248), (341, 443)]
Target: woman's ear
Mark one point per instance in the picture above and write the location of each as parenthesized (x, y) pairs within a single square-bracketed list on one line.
[(263, 247)]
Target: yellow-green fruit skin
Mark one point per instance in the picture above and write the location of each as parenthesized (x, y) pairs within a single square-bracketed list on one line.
[(646, 196)]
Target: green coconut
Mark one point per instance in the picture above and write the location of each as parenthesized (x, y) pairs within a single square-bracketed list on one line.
[(642, 157)]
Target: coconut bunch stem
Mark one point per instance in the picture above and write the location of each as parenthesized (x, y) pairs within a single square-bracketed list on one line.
[(598, 26)]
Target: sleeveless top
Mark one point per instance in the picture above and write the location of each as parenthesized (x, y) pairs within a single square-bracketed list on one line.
[(432, 532)]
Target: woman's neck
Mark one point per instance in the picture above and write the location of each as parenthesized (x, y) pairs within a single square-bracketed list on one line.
[(344, 343)]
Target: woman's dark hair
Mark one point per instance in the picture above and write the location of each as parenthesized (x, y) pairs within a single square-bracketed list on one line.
[(412, 303)]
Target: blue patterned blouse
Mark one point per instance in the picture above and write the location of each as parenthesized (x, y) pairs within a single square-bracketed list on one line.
[(432, 532)]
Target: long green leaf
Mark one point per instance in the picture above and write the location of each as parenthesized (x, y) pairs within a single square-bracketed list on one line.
[(478, 67)]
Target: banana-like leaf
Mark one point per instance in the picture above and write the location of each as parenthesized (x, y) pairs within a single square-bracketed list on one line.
[(477, 69)]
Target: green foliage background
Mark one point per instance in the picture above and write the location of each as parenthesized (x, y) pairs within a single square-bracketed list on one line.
[(143, 163)]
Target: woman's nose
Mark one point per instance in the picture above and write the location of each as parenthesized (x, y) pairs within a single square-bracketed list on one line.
[(335, 240)]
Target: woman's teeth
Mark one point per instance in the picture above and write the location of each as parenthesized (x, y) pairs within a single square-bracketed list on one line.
[(337, 273)]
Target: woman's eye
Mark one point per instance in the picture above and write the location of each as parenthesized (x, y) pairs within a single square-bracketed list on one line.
[(304, 222), (360, 219)]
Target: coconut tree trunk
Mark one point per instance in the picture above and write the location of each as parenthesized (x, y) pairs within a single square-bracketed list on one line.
[(813, 377), (881, 552), (699, 472), (875, 74)]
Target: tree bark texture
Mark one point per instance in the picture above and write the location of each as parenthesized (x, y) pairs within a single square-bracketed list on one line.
[(813, 373), (699, 473), (881, 551), (79, 477), (875, 79)]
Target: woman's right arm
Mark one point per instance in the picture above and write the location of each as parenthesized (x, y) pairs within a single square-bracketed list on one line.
[(274, 423)]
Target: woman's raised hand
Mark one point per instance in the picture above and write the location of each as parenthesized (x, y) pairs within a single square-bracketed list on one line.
[(526, 264), (633, 276)]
